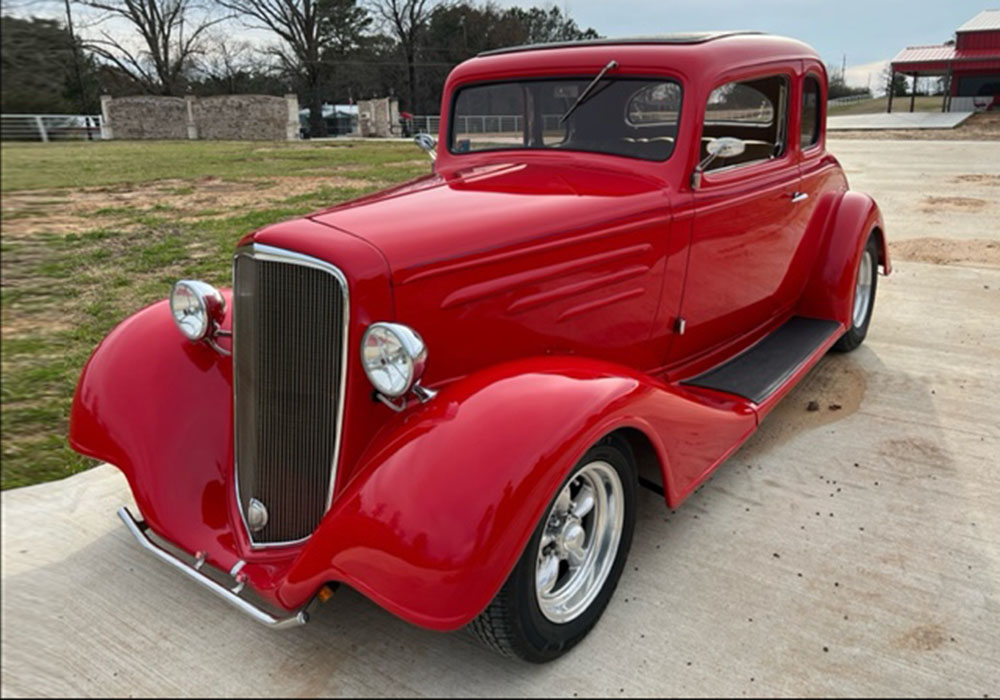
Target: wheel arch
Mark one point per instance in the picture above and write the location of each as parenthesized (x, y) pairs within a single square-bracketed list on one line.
[(650, 460), (829, 293), (883, 249), (443, 505)]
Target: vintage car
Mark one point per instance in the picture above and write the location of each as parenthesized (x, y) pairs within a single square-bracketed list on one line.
[(445, 395)]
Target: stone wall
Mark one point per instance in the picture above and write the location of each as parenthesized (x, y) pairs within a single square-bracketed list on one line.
[(146, 117), (229, 117), (379, 118)]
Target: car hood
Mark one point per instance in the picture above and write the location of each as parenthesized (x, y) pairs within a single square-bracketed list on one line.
[(435, 220)]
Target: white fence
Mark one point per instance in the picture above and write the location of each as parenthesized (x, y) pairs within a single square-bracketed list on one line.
[(426, 124), (849, 99), (51, 127), (482, 123)]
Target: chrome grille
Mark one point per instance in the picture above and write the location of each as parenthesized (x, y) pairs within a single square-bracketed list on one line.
[(289, 342)]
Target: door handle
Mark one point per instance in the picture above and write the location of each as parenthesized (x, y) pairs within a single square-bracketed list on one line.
[(799, 197)]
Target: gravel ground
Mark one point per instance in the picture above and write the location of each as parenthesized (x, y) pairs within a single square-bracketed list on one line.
[(853, 549)]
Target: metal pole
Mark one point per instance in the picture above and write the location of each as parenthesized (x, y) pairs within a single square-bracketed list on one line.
[(913, 92), (41, 129), (892, 86)]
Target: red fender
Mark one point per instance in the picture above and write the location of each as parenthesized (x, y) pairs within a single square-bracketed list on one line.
[(441, 503), (829, 293), (448, 496)]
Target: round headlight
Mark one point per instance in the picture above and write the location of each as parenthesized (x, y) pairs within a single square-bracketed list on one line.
[(195, 306), (393, 356)]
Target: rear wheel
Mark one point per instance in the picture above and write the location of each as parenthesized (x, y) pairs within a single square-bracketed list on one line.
[(864, 297), (571, 566)]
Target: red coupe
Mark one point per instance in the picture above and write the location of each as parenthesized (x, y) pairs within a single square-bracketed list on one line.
[(445, 395)]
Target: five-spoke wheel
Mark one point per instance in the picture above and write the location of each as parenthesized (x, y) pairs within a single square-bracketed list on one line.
[(567, 573), (579, 542), (865, 283)]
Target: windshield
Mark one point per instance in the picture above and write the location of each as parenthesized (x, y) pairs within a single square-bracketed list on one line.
[(629, 117)]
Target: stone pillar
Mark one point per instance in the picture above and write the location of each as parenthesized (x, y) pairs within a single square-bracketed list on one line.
[(292, 126), (192, 127), (106, 133)]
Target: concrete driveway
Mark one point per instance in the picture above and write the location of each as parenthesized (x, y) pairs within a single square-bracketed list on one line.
[(898, 120), (852, 550)]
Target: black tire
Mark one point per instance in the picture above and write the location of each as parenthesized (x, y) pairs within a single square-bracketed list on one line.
[(855, 335), (513, 624)]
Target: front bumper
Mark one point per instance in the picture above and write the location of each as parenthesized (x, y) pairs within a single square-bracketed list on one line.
[(138, 529)]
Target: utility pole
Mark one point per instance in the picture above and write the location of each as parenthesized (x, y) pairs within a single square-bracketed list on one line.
[(84, 106), (843, 70)]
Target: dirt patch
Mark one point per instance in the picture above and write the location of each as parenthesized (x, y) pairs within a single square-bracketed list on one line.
[(22, 326), (978, 179), (934, 205), (916, 452), (32, 211), (944, 251), (984, 126), (409, 163), (921, 638), (833, 390)]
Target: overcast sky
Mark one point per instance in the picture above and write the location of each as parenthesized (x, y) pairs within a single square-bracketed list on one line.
[(868, 32)]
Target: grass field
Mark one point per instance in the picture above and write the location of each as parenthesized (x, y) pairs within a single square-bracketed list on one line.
[(923, 103), (91, 232)]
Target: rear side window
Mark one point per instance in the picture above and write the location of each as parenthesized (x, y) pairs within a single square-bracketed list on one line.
[(809, 129), (754, 111)]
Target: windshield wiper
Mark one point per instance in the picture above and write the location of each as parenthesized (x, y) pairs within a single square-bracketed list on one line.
[(587, 90)]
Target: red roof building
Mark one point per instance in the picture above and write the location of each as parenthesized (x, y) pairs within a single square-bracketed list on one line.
[(970, 65)]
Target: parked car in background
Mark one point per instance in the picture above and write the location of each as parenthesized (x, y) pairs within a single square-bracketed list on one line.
[(446, 394)]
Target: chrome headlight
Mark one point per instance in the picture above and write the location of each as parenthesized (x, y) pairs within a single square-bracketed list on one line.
[(196, 306), (394, 357)]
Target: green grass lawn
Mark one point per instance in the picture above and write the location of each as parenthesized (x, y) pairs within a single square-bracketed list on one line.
[(94, 231), (35, 166), (878, 104)]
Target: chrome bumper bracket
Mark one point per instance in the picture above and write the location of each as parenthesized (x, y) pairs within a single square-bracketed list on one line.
[(138, 529)]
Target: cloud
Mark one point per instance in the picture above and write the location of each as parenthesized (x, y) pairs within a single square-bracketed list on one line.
[(867, 75)]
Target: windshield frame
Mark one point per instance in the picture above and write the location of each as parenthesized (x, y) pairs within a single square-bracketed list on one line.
[(661, 77)]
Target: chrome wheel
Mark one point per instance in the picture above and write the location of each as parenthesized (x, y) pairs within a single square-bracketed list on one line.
[(863, 289), (578, 546)]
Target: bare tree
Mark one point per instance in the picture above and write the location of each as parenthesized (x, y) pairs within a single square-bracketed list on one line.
[(227, 61), (406, 21), (299, 25), (168, 47)]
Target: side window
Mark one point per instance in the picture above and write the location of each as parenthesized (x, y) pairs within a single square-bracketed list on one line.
[(488, 117), (658, 104), (809, 129), (754, 111)]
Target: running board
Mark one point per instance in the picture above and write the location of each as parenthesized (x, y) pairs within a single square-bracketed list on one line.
[(764, 368)]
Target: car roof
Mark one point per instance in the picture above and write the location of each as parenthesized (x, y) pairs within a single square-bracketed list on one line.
[(699, 55), (671, 38)]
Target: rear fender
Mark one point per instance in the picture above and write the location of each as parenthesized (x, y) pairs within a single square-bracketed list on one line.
[(445, 502), (829, 293)]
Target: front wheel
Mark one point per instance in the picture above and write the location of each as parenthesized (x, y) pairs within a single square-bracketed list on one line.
[(571, 566), (864, 297)]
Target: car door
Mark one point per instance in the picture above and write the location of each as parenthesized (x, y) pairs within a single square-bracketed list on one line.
[(746, 226)]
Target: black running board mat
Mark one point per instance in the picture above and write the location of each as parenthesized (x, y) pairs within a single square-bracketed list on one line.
[(762, 369)]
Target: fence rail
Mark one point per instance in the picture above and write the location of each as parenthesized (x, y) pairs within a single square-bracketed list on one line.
[(482, 123), (849, 99), (51, 127)]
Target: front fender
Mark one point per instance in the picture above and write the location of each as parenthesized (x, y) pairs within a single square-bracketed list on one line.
[(443, 506), (160, 409), (829, 293)]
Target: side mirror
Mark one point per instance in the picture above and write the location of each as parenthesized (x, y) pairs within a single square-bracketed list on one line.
[(722, 147), (726, 147), (427, 143)]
